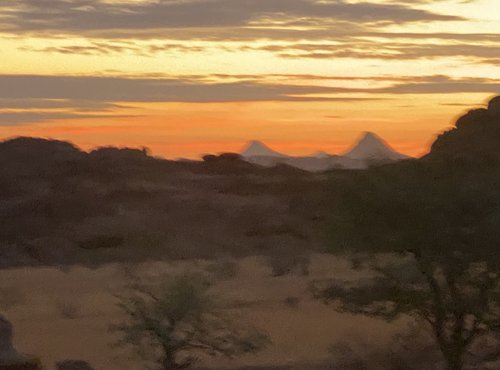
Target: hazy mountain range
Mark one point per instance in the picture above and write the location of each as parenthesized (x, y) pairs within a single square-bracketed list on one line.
[(369, 149)]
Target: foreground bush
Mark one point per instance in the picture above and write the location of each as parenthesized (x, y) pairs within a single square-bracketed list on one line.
[(175, 321)]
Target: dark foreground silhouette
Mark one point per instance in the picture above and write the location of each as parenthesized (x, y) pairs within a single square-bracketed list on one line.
[(60, 205)]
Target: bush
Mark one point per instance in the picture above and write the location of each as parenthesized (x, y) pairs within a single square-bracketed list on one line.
[(172, 322), (30, 364), (68, 310)]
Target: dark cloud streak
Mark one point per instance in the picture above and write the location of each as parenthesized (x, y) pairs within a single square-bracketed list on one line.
[(16, 118), (363, 49), (80, 16), (31, 98), (41, 103), (103, 91), (116, 89)]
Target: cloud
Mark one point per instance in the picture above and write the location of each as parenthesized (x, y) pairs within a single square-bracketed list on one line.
[(492, 61), (80, 16), (33, 98), (363, 49), (94, 48), (107, 47), (481, 48), (41, 103), (118, 89), (15, 118), (105, 93), (446, 86), (346, 29)]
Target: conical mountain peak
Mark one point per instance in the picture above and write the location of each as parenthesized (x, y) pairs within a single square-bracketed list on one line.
[(321, 154), (257, 148), (371, 137), (256, 144), (372, 147)]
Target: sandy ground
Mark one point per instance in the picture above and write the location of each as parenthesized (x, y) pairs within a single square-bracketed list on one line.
[(66, 314)]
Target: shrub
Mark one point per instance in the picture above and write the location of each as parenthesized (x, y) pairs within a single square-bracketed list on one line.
[(173, 321), (68, 310)]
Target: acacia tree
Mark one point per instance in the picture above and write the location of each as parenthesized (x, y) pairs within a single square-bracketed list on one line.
[(176, 320), (441, 217)]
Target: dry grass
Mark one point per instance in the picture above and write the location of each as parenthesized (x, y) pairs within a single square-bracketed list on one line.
[(301, 335)]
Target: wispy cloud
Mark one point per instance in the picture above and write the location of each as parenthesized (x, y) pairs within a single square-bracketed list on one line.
[(116, 89), (42, 103), (105, 92), (366, 49), (360, 44), (76, 16), (16, 118), (41, 98)]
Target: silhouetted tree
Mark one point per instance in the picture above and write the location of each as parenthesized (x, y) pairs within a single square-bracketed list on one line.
[(441, 217), (176, 320)]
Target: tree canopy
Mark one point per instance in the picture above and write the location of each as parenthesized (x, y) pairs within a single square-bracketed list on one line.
[(441, 215)]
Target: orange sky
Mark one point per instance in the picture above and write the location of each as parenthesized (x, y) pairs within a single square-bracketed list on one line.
[(184, 78)]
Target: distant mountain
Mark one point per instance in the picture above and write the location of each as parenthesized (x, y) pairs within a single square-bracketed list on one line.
[(370, 148), (259, 149), (321, 154), (373, 147)]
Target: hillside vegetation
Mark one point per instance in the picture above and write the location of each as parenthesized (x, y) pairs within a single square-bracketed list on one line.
[(60, 205)]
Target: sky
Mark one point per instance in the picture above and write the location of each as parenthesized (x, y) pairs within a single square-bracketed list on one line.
[(188, 77)]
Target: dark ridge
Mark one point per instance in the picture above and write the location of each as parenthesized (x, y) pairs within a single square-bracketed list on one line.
[(474, 139)]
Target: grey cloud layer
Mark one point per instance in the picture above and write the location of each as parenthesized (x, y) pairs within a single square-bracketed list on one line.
[(16, 118), (42, 103), (41, 98), (118, 89), (104, 92), (115, 89), (95, 15), (28, 99)]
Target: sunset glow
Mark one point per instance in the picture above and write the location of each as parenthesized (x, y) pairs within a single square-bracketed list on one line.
[(191, 77)]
